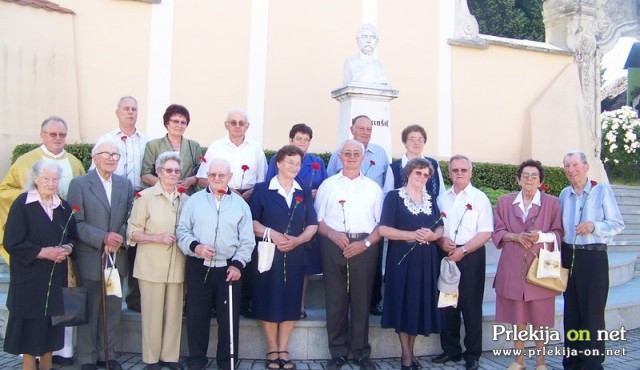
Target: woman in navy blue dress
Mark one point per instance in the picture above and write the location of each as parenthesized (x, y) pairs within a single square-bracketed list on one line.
[(312, 173), (285, 207), (411, 221)]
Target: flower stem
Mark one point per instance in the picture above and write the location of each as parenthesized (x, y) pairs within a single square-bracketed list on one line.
[(46, 305)]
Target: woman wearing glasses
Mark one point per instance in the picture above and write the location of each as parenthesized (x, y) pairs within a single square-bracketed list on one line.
[(312, 173), (414, 137), (160, 264), (524, 222), (176, 119), (283, 209)]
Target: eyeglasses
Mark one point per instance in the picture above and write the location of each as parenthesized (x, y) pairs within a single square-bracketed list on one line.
[(53, 135), (351, 154), (532, 176), (179, 122), (419, 173), (107, 155), (416, 139), (292, 163), (300, 139), (172, 170), (459, 170), (238, 123), (213, 175)]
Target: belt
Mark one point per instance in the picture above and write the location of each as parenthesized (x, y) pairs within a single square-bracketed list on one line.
[(357, 236), (214, 263), (586, 247)]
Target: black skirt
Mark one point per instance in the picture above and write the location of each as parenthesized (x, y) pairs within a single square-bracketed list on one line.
[(32, 336)]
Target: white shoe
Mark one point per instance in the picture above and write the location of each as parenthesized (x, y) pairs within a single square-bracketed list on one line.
[(541, 367), (516, 366)]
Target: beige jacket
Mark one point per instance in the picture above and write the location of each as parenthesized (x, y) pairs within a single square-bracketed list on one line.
[(154, 213)]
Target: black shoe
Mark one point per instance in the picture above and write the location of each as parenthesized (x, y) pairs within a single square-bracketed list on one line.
[(376, 310), (213, 313), (89, 367), (416, 365), (472, 364), (113, 365), (246, 312), (155, 366), (365, 364), (441, 359), (336, 363), (196, 363), (172, 365), (62, 361)]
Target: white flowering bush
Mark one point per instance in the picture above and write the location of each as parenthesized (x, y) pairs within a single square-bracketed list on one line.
[(620, 133)]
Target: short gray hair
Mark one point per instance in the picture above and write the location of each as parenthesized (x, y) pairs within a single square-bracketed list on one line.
[(125, 98), (167, 156), (50, 119), (38, 167), (100, 144), (581, 155), (220, 160), (460, 156), (352, 141), (237, 111)]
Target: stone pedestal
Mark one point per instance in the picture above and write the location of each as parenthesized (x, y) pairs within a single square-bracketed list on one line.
[(371, 100)]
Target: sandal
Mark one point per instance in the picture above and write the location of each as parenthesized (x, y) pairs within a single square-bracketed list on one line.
[(286, 364), (303, 315), (271, 363)]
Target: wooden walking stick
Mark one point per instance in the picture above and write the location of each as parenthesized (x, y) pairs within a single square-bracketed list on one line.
[(105, 336)]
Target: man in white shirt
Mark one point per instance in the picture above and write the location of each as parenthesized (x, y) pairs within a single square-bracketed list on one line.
[(131, 144), (247, 159), (349, 206), (468, 225)]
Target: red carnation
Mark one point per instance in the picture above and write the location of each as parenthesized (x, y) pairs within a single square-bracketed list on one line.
[(544, 187), (136, 194), (299, 199), (245, 167), (123, 137), (443, 215), (182, 189), (342, 201), (203, 159), (372, 162), (222, 191), (75, 208), (315, 166), (594, 183), (469, 207)]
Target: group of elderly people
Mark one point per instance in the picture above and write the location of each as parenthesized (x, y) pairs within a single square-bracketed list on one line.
[(196, 244)]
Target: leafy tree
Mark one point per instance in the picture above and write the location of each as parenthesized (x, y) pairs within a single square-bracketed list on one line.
[(518, 19)]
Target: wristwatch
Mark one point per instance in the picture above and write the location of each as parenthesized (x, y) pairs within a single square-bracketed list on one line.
[(367, 243), (464, 251)]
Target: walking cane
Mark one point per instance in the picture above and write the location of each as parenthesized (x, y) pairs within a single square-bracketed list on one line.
[(105, 336), (231, 324)]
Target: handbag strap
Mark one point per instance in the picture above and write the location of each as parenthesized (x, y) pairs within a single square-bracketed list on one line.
[(266, 236), (110, 260)]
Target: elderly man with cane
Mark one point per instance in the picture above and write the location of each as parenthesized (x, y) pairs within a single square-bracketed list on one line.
[(215, 232), (104, 200)]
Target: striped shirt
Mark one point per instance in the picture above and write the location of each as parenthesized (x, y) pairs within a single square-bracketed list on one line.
[(596, 204)]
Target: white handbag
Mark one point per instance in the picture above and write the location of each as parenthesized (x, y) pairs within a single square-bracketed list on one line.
[(266, 250), (112, 277), (549, 264)]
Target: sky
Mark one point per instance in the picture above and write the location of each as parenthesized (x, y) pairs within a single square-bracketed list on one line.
[(614, 60)]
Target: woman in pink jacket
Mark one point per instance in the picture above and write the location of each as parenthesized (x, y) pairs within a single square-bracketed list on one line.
[(524, 222)]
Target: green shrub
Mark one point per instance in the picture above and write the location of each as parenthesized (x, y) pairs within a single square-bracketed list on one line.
[(486, 176)]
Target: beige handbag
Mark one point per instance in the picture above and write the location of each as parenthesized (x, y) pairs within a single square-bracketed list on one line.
[(557, 284), (112, 277)]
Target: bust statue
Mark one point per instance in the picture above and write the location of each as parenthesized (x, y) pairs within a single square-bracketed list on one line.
[(364, 67)]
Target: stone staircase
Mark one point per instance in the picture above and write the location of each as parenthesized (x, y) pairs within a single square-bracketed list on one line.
[(309, 339)]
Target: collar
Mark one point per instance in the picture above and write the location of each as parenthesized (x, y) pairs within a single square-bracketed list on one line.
[(343, 176), (210, 192), (119, 133), (228, 141), (107, 181), (55, 156), (34, 196), (274, 184), (536, 198), (465, 190)]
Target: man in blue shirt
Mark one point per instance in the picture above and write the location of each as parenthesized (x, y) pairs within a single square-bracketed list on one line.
[(590, 218)]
